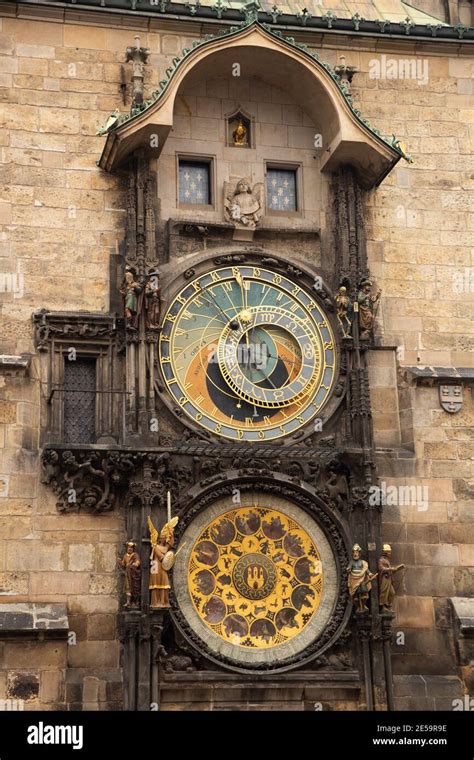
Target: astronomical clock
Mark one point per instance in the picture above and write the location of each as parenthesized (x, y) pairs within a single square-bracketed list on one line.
[(248, 354), (249, 362), (239, 450)]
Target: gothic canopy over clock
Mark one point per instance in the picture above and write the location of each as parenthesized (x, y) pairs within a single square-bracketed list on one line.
[(248, 353)]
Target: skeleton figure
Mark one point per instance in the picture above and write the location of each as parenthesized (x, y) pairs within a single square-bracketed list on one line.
[(344, 310), (243, 205)]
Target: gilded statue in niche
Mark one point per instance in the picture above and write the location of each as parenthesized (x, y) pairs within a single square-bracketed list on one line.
[(239, 130), (239, 134)]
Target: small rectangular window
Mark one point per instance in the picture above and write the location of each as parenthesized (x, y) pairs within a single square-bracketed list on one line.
[(281, 190), (79, 400), (195, 182)]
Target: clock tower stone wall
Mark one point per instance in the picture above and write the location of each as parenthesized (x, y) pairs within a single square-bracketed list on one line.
[(70, 229)]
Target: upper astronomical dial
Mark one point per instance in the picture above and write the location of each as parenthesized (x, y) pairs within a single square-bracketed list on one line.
[(247, 353), (269, 333)]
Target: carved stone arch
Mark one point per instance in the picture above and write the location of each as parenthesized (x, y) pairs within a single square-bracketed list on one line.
[(349, 139)]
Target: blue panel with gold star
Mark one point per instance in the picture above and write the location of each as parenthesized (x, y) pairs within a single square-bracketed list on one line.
[(281, 190), (194, 183)]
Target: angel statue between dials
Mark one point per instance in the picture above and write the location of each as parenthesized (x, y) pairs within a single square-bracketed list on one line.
[(161, 560), (243, 205)]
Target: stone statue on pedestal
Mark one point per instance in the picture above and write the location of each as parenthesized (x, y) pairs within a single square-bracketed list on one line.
[(359, 580), (386, 573), (367, 304), (130, 291), (131, 564)]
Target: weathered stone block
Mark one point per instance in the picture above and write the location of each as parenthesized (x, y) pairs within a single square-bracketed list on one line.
[(466, 554), (429, 581), (80, 557), (35, 51), (33, 654), (427, 534), (464, 581), (107, 557), (409, 686), (100, 627), (13, 583), (35, 555), (85, 37), (457, 533), (91, 604), (51, 686), (23, 686), (59, 120), (89, 654), (7, 412), (443, 615), (101, 583), (436, 554), (414, 612), (412, 704), (59, 583), (78, 626), (444, 686)]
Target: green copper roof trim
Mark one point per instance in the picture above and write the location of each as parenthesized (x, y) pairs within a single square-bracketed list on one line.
[(250, 20)]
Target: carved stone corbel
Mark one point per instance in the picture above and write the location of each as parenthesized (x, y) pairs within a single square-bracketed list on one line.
[(87, 480)]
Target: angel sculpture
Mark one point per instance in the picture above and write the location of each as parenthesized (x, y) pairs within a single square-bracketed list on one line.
[(243, 205), (161, 559)]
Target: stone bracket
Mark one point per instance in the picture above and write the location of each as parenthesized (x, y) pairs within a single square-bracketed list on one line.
[(463, 618), (33, 620)]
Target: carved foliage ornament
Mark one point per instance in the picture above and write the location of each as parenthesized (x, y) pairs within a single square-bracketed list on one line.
[(91, 480), (49, 325), (87, 480)]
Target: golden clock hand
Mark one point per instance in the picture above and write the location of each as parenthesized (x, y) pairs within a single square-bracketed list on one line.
[(240, 283), (244, 315)]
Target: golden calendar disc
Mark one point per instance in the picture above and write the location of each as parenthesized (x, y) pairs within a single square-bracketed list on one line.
[(255, 577)]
